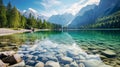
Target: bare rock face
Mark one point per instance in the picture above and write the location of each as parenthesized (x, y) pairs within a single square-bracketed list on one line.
[(40, 64), (52, 64), (109, 53)]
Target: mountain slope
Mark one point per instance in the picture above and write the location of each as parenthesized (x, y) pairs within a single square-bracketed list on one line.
[(61, 19), (84, 9), (106, 7)]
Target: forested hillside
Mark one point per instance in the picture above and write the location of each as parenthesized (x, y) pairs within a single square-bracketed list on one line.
[(111, 21), (10, 17)]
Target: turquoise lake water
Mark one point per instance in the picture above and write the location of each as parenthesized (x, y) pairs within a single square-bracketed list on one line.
[(92, 42)]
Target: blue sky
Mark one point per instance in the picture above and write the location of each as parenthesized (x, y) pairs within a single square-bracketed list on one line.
[(52, 7)]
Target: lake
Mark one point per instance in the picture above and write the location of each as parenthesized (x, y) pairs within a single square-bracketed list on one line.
[(85, 48)]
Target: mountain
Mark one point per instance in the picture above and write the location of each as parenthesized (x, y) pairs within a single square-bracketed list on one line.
[(84, 9), (63, 19), (105, 8), (34, 13)]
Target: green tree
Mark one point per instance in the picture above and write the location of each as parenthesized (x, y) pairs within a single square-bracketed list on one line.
[(1, 2), (9, 8), (3, 18), (44, 25), (15, 18), (31, 22), (39, 24), (23, 22)]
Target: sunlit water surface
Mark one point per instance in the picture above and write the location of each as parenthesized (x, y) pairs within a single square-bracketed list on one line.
[(73, 44)]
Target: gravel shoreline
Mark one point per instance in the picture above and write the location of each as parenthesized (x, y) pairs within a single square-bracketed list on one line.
[(7, 31)]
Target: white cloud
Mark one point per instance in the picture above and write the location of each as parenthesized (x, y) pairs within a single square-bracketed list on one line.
[(49, 3), (75, 8), (48, 14)]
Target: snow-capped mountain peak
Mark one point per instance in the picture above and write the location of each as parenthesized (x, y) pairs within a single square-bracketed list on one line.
[(34, 13)]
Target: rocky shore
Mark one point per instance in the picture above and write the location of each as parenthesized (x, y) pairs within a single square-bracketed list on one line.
[(7, 31)]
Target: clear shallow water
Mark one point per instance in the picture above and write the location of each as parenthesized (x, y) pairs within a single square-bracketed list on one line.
[(87, 42)]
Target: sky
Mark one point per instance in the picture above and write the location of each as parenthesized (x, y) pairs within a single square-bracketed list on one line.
[(52, 7)]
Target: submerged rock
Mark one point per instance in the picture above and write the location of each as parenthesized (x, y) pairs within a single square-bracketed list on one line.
[(31, 63), (21, 64), (94, 63), (91, 48), (66, 60), (52, 64), (67, 65), (81, 65), (73, 64), (3, 44), (72, 54), (109, 53), (39, 64)]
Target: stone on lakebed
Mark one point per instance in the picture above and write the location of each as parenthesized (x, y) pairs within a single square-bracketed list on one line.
[(66, 60), (109, 53), (52, 64), (39, 64), (73, 64)]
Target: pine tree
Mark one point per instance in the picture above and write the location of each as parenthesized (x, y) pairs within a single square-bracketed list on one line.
[(23, 22), (15, 18), (31, 22), (3, 18), (9, 8), (39, 24), (44, 26), (1, 2)]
